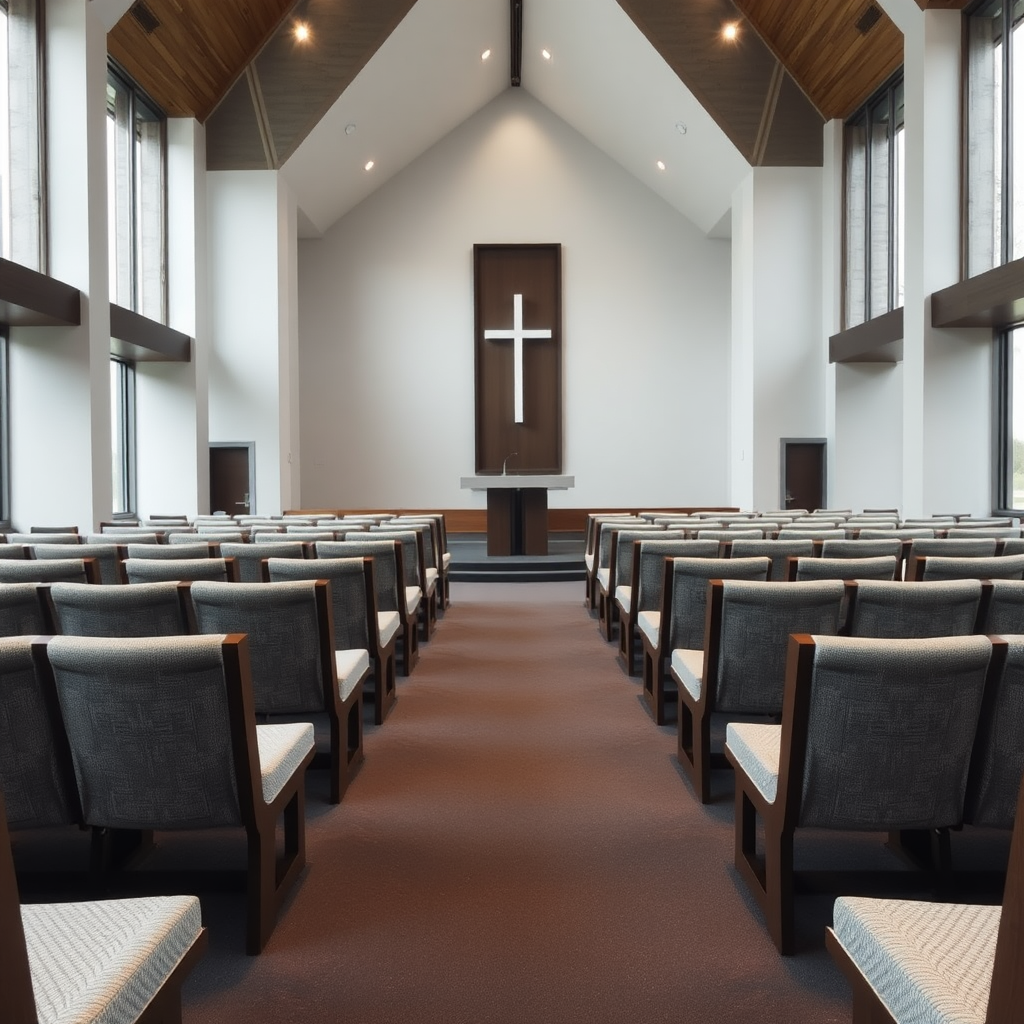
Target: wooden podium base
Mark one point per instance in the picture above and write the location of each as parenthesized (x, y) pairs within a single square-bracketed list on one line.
[(517, 521)]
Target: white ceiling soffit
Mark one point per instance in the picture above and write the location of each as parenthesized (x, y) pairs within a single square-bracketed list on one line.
[(110, 11), (424, 81), (607, 81), (603, 78)]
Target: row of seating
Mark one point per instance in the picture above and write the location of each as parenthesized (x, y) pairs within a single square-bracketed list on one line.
[(880, 736), (147, 721), (737, 663), (605, 569), (950, 732), (142, 714), (632, 580), (204, 540), (403, 583), (128, 736), (677, 618)]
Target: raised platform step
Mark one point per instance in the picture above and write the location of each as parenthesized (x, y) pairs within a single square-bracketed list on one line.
[(471, 563), (522, 569)]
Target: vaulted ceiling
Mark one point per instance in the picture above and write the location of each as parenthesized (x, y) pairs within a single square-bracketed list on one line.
[(264, 97)]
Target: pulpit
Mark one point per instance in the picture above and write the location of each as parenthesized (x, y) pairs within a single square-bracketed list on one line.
[(517, 509)]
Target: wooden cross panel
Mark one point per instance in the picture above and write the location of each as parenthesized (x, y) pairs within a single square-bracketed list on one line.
[(500, 272)]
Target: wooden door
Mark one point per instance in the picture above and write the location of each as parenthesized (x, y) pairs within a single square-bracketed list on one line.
[(803, 472), (231, 479)]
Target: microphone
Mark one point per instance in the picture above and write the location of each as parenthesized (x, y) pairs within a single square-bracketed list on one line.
[(505, 463)]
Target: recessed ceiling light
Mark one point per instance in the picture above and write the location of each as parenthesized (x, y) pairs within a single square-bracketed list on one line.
[(349, 129), (485, 54), (546, 54), (368, 166), (730, 31), (301, 31), (661, 165), (680, 127)]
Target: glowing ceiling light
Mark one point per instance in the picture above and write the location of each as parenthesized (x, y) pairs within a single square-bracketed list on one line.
[(661, 165), (485, 54), (368, 166), (546, 54), (301, 31), (730, 31)]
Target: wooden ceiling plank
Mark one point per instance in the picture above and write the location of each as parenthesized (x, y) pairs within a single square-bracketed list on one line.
[(834, 63), (197, 51)]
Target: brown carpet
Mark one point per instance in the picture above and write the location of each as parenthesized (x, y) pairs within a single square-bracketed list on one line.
[(519, 846)]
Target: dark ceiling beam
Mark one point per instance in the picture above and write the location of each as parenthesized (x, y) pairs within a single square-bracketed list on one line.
[(516, 40)]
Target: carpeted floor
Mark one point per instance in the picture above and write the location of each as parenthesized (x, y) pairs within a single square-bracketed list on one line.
[(519, 846)]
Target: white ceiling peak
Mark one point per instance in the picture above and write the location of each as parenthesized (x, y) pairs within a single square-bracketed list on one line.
[(604, 79)]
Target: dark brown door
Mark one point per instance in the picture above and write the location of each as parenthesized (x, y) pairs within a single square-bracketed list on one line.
[(803, 473), (230, 479)]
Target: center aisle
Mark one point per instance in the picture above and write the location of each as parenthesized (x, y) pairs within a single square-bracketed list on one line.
[(519, 846)]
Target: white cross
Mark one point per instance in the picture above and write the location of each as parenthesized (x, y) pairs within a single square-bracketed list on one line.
[(518, 335)]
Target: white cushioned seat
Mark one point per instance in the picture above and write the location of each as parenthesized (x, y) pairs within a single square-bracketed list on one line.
[(387, 626), (757, 748), (603, 576), (649, 623), (930, 963), (624, 598), (446, 560), (351, 666), (413, 596), (282, 746), (688, 667), (102, 962)]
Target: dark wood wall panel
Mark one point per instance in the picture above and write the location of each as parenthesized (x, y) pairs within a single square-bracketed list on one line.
[(534, 271)]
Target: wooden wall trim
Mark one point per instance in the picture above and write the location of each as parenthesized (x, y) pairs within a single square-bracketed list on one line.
[(139, 339), (474, 520), (31, 299), (878, 340), (993, 299)]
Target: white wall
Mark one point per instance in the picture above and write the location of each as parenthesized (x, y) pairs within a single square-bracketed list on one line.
[(947, 377), (171, 398), (60, 391), (741, 350), (777, 343), (249, 318), (386, 324), (868, 436), (289, 452)]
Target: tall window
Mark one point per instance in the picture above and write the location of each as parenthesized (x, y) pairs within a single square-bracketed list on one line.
[(122, 435), (22, 231), (994, 136), (874, 174), (136, 147)]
